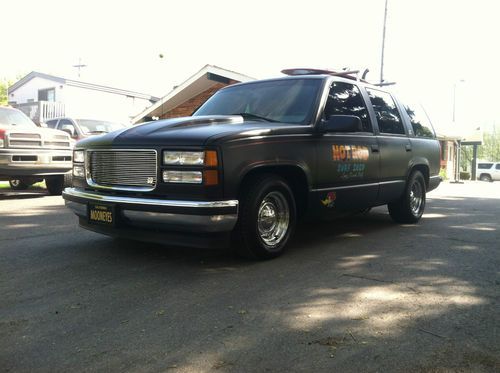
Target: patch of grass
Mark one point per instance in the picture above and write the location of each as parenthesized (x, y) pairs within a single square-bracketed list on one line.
[(4, 185)]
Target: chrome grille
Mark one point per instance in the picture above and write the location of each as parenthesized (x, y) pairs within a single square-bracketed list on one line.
[(56, 143), (122, 169), (24, 135), (36, 140)]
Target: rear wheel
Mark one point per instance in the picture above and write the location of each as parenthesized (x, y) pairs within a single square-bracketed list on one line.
[(267, 218), (19, 184), (410, 207), (485, 177), (55, 184)]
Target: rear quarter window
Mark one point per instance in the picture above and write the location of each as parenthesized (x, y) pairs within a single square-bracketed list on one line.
[(419, 120), (484, 166)]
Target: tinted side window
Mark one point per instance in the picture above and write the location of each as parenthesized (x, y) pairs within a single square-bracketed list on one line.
[(346, 99), (420, 123), (484, 166), (63, 122), (52, 123), (497, 166), (388, 118)]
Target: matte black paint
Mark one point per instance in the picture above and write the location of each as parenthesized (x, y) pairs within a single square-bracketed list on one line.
[(245, 147)]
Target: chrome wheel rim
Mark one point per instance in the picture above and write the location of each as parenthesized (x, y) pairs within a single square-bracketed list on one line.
[(416, 198), (273, 218)]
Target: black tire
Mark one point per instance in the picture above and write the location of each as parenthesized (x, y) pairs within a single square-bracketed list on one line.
[(267, 218), (68, 179), (55, 185), (410, 207), (19, 184), (485, 177)]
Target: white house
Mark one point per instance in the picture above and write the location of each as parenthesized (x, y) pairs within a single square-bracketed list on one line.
[(43, 96)]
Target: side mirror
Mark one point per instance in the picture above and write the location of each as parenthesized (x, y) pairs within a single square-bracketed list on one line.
[(69, 129), (342, 123)]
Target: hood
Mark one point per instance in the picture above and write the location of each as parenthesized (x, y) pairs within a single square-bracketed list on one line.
[(187, 131), (38, 130)]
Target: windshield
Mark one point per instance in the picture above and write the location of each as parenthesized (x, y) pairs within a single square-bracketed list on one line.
[(89, 126), (288, 101), (16, 118)]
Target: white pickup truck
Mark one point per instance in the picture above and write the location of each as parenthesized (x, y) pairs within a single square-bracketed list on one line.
[(29, 154)]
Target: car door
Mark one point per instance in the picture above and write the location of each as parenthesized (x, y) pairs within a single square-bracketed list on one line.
[(496, 172), (347, 163), (394, 144), (67, 125)]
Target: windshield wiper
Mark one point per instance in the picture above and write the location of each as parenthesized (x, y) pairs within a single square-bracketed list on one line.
[(254, 116)]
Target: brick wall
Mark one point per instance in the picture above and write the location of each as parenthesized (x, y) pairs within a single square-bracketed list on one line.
[(187, 108)]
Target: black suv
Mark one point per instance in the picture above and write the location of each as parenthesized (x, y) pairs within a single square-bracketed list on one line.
[(253, 160)]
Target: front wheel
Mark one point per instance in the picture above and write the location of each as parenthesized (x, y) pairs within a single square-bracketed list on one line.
[(267, 218), (410, 207), (19, 184), (55, 185)]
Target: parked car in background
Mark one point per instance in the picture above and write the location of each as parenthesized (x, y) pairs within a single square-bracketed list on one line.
[(488, 171), (81, 128), (29, 154)]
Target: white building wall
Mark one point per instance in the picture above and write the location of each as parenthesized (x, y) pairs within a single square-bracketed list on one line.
[(93, 104), (83, 102), (29, 91)]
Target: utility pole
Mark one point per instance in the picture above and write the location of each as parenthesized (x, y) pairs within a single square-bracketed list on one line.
[(383, 45), (79, 66)]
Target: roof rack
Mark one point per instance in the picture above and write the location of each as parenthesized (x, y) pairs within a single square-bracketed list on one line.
[(348, 74)]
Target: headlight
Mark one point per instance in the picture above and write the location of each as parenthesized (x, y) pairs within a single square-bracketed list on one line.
[(189, 177), (206, 158), (78, 170), (183, 158), (79, 156)]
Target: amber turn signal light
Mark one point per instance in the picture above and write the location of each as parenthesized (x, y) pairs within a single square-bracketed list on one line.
[(210, 177), (210, 158)]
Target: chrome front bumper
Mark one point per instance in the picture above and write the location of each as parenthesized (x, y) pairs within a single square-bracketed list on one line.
[(27, 162), (170, 215)]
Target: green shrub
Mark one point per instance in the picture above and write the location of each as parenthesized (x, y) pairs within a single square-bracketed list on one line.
[(464, 175)]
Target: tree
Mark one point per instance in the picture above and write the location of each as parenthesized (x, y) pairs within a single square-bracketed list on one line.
[(4, 84), (490, 150)]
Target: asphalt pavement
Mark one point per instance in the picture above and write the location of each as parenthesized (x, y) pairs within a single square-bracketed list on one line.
[(361, 294)]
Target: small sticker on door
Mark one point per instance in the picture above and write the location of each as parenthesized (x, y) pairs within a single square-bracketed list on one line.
[(329, 201)]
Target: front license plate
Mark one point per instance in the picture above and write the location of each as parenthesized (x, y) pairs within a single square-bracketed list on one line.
[(102, 214)]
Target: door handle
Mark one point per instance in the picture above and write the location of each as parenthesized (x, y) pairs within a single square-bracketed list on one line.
[(408, 147), (375, 149)]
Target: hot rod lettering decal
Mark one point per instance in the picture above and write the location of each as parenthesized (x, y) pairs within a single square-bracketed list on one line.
[(349, 153)]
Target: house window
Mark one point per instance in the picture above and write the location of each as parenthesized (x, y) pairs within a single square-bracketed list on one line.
[(48, 94)]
